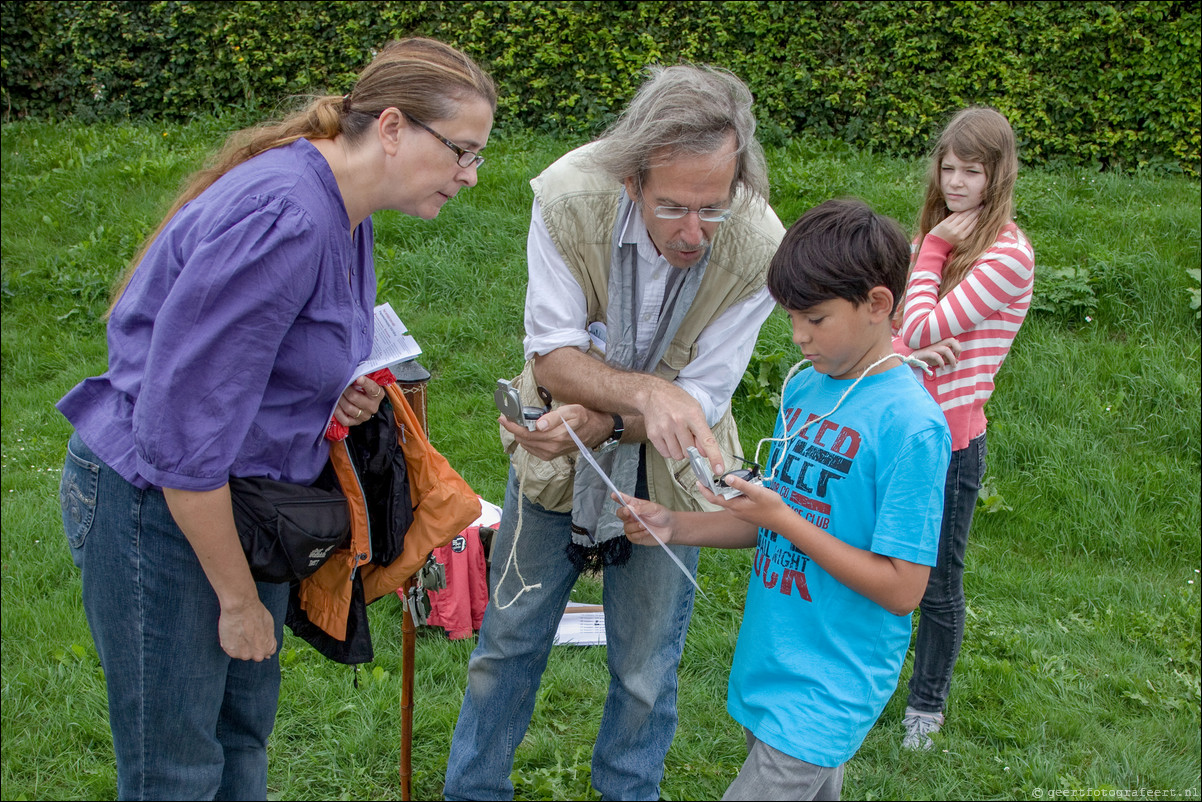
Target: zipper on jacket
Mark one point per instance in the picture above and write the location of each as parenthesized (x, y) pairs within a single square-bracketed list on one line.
[(360, 557)]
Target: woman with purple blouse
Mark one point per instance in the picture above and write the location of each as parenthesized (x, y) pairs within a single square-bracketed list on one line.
[(236, 332)]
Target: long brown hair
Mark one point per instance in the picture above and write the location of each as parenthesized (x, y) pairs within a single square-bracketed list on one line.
[(976, 134), (422, 78)]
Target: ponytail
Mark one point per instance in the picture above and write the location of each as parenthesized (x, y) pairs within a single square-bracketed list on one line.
[(423, 78)]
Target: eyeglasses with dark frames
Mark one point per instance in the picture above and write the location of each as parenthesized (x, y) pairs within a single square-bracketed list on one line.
[(465, 158)]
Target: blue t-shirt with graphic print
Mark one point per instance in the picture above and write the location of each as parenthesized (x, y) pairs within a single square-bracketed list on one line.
[(816, 662)]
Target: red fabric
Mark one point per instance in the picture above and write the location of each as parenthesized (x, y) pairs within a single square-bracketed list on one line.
[(335, 431), (459, 609)]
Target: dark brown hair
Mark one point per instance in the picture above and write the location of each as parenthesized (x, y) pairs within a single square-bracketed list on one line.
[(839, 249)]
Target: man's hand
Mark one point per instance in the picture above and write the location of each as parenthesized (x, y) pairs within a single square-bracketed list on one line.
[(674, 421), (550, 439)]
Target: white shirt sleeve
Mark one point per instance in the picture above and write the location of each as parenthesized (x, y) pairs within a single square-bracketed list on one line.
[(555, 306), (723, 350), (556, 317)]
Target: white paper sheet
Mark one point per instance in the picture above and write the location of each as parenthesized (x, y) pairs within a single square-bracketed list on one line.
[(581, 625), (588, 457), (391, 342)]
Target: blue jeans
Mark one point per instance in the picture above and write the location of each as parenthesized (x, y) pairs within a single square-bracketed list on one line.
[(188, 722), (941, 617), (648, 602)]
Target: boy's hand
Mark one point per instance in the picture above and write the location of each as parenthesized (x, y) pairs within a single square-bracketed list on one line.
[(759, 505), (657, 516)]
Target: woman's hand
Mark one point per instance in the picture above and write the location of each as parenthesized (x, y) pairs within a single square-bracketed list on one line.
[(359, 402), (244, 626), (248, 632), (943, 354), (957, 226)]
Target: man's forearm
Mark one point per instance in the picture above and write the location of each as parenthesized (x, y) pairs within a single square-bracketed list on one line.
[(573, 377), (661, 413)]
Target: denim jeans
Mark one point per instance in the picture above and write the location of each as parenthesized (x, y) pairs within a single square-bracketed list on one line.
[(941, 616), (648, 602), (188, 722)]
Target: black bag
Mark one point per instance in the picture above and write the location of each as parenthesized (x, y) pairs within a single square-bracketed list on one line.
[(378, 461), (289, 530), (380, 465)]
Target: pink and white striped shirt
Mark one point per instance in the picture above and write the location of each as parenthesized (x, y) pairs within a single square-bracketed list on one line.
[(983, 312)]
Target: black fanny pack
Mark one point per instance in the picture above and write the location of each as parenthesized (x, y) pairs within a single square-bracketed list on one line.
[(288, 530)]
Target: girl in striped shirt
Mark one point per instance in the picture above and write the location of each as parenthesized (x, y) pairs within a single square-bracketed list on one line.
[(971, 276)]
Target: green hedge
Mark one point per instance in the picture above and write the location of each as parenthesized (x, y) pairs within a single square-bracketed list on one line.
[(1110, 85)]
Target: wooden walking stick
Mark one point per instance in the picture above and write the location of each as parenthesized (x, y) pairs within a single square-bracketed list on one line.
[(408, 642), (412, 378)]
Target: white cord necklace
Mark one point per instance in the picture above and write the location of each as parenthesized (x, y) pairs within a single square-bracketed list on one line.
[(512, 559), (906, 360)]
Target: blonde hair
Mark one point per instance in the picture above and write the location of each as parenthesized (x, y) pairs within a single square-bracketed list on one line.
[(976, 134), (423, 78)]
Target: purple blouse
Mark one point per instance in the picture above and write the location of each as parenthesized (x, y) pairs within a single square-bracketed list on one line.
[(237, 333)]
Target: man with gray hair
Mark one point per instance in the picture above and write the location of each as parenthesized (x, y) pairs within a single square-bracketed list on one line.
[(647, 254)]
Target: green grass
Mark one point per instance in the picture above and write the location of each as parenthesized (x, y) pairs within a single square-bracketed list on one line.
[(1080, 668)]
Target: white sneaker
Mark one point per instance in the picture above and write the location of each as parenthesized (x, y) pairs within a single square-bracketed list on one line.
[(919, 726)]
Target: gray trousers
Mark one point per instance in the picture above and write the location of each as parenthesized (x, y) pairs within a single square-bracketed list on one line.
[(771, 774)]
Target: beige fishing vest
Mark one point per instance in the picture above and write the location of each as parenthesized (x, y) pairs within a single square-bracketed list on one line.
[(579, 206)]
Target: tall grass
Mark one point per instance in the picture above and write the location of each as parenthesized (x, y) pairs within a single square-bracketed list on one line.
[(1080, 668)]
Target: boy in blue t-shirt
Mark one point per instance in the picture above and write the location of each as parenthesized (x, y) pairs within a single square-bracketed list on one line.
[(846, 524)]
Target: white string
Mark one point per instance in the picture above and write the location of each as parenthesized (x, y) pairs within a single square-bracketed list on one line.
[(588, 457), (513, 550), (771, 474)]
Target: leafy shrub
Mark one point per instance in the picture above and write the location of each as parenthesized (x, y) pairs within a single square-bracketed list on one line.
[(764, 378), (1068, 293), (1109, 85)]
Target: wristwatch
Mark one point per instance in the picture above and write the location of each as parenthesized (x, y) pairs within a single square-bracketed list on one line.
[(614, 437)]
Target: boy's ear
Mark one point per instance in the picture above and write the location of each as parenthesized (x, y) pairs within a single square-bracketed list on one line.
[(880, 303)]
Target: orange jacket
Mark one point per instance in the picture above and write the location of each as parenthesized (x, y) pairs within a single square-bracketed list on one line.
[(443, 504)]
